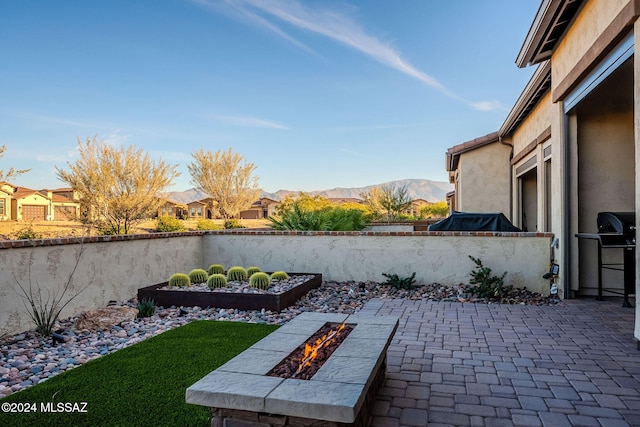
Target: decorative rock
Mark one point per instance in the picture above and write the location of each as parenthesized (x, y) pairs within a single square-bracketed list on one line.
[(106, 318)]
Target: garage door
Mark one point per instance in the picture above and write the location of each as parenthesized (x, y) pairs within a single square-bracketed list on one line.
[(33, 212), (64, 213)]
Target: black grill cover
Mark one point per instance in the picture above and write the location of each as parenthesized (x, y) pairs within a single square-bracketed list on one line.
[(467, 221), (616, 222)]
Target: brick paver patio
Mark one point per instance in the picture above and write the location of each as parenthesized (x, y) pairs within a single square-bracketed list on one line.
[(453, 364)]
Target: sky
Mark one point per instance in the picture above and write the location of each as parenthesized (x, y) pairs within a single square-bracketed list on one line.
[(317, 94)]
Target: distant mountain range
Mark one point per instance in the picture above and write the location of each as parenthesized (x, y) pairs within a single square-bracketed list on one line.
[(432, 191)]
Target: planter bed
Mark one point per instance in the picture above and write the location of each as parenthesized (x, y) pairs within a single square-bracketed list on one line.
[(240, 301)]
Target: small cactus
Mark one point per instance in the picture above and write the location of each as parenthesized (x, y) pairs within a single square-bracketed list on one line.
[(216, 269), (237, 273), (198, 275), (253, 269), (279, 275), (259, 280), (179, 280), (217, 280)]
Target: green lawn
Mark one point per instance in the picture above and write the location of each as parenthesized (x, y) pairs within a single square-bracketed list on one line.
[(142, 385)]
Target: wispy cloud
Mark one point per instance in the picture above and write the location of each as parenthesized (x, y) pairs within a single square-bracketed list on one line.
[(246, 121), (337, 26)]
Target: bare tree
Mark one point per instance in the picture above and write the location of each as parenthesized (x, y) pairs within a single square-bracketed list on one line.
[(11, 173), (227, 178), (118, 186)]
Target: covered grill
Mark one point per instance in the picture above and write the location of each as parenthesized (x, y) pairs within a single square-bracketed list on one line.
[(616, 230)]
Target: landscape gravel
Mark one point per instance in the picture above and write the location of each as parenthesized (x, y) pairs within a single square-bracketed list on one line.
[(29, 358)]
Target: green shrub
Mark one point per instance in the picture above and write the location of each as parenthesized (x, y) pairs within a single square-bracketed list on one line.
[(104, 228), (167, 224), (208, 224), (233, 223), (398, 282), (279, 275), (216, 269), (253, 269), (237, 273), (27, 233), (485, 284), (330, 218), (217, 280), (179, 280), (146, 308), (198, 275), (259, 280)]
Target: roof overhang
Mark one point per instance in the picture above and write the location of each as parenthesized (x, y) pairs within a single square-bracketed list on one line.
[(536, 88), (453, 153), (550, 23)]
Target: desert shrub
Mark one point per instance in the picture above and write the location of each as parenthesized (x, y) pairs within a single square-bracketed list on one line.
[(198, 275), (208, 224), (104, 228), (167, 224), (259, 280), (253, 269), (146, 307), (398, 282), (279, 275), (179, 280), (485, 284), (216, 269), (233, 223), (217, 280), (27, 233), (237, 273), (330, 218)]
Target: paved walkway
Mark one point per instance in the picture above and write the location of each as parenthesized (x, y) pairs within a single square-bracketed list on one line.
[(453, 364)]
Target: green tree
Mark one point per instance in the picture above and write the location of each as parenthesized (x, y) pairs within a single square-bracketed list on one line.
[(118, 186), (387, 201), (11, 173), (227, 178), (436, 210)]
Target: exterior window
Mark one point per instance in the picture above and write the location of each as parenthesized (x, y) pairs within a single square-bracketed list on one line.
[(199, 211), (2, 207), (193, 211)]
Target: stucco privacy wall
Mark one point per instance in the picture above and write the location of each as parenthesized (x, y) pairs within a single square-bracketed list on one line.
[(115, 267), (434, 257), (118, 266)]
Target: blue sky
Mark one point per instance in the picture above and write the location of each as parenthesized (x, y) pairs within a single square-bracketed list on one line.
[(318, 94)]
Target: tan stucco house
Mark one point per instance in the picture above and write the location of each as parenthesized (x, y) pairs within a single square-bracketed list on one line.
[(173, 209), (573, 137)]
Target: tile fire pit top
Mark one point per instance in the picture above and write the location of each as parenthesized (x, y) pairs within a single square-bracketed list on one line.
[(334, 393)]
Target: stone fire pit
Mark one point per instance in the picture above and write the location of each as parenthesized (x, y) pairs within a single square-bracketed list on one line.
[(341, 393)]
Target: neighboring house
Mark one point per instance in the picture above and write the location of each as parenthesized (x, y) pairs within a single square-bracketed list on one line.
[(263, 208), (416, 205), (481, 174), (574, 136), (173, 209), (198, 209), (26, 204)]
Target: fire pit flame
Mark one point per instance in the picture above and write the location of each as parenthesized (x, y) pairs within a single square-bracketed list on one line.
[(311, 351)]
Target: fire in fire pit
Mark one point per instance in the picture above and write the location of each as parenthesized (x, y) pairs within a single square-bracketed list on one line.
[(305, 361)]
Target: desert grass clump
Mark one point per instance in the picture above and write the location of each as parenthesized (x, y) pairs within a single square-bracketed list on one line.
[(260, 280), (237, 273), (279, 275), (216, 269), (217, 280), (179, 280), (146, 307), (198, 275), (253, 269)]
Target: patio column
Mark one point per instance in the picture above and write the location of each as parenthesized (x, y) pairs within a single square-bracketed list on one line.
[(636, 118)]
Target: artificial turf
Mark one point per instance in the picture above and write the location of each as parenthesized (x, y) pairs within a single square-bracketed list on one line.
[(141, 385)]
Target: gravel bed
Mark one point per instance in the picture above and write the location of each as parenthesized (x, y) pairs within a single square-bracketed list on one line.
[(243, 287), (29, 358)]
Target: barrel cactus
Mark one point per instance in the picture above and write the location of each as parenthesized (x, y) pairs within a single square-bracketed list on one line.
[(253, 269), (216, 269), (259, 280), (279, 275), (237, 273), (217, 280), (198, 275), (179, 280)]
